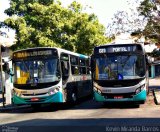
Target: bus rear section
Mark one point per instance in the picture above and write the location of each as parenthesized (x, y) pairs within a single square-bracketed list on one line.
[(120, 73)]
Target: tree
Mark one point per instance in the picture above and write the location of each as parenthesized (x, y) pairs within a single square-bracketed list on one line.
[(126, 21), (150, 9), (45, 23)]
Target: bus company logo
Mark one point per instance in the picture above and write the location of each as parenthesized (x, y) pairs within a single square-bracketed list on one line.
[(102, 50), (9, 129)]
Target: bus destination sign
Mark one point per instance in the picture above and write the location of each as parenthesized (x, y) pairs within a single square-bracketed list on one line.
[(117, 49), (31, 53)]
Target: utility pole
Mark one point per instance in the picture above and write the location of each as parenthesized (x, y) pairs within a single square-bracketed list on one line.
[(2, 83)]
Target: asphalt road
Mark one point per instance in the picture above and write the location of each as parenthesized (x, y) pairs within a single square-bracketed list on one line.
[(86, 113)]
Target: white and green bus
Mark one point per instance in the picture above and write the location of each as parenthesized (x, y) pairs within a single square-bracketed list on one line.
[(120, 73), (49, 75)]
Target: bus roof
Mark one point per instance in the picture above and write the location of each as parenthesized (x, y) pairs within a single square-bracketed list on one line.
[(115, 44)]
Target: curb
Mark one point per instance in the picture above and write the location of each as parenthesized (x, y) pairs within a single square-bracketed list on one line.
[(156, 93), (12, 107)]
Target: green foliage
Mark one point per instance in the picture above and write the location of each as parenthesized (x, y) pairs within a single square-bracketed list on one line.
[(45, 23), (150, 9)]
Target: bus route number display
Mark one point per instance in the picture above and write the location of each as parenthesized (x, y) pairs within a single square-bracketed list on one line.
[(116, 49)]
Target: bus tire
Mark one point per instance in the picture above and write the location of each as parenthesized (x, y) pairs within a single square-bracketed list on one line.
[(74, 96), (70, 95)]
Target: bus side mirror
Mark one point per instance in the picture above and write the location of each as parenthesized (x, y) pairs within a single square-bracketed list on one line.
[(6, 68)]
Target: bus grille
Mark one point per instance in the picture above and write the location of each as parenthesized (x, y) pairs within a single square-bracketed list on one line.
[(124, 95), (35, 94), (118, 83)]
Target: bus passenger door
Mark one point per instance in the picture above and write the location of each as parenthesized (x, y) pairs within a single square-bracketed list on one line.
[(65, 71), (85, 78)]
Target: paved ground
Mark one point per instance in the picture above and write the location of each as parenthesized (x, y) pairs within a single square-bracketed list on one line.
[(154, 83), (88, 114), (92, 115)]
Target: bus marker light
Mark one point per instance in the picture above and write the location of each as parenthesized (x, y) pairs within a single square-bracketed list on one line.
[(142, 87), (34, 99)]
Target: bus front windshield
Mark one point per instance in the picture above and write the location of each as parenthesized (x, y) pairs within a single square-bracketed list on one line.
[(120, 67), (36, 71)]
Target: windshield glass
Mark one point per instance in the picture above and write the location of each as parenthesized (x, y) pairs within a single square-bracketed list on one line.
[(119, 67), (36, 71)]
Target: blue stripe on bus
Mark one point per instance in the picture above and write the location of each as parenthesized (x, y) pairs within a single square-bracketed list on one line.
[(58, 98), (139, 97), (83, 56)]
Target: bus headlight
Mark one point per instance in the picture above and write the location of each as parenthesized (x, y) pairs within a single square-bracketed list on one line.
[(138, 90), (143, 87), (17, 93), (95, 88), (99, 91), (53, 91)]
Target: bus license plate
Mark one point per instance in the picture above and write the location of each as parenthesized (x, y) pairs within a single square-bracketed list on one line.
[(34, 99), (118, 97)]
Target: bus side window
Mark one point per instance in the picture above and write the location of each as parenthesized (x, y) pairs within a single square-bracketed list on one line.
[(88, 66), (74, 65), (82, 63)]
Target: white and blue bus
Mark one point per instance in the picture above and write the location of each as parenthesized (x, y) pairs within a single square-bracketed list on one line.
[(50, 75), (119, 73)]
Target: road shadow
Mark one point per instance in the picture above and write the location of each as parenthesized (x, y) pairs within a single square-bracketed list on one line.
[(85, 125), (49, 107), (121, 105), (83, 104)]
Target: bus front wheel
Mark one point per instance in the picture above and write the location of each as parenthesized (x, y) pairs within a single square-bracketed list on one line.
[(74, 97), (70, 96)]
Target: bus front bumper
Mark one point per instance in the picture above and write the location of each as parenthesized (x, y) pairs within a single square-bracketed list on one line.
[(55, 98), (136, 98)]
